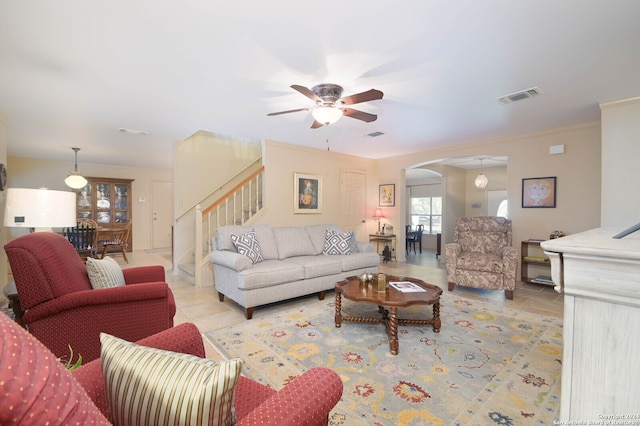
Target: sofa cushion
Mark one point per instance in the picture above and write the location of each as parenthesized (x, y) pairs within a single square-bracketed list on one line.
[(223, 236), (318, 233), (148, 386), (35, 388), (338, 243), (359, 261), (318, 266), (293, 241), (264, 234), (268, 273), (247, 245), (104, 273)]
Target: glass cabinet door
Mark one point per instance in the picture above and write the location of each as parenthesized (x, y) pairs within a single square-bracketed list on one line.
[(107, 201)]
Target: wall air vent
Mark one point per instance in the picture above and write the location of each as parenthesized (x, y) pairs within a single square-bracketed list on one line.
[(518, 96), (375, 134)]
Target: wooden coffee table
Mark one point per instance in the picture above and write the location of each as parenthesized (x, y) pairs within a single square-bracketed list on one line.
[(393, 299)]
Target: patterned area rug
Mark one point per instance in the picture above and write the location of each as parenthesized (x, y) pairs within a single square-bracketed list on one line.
[(487, 365)]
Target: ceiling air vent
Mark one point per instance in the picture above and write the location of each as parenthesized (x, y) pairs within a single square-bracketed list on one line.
[(518, 96), (375, 134)]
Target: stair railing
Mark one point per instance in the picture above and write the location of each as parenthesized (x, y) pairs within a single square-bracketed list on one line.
[(236, 207)]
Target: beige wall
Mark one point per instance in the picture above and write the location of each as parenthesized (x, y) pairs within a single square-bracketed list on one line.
[(577, 171), (30, 173), (283, 160), (203, 164), (620, 158)]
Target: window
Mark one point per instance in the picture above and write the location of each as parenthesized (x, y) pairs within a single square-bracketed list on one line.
[(427, 211)]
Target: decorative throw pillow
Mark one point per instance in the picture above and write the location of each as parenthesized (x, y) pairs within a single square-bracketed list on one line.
[(336, 243), (104, 273), (148, 386), (35, 388), (247, 245)]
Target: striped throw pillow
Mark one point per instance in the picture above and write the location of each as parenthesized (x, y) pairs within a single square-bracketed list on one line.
[(104, 273), (148, 386)]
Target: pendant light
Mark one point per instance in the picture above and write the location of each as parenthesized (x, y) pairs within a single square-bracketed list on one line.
[(481, 181), (75, 179)]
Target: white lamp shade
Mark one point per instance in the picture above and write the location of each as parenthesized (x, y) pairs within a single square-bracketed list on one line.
[(75, 181), (326, 115), (39, 208)]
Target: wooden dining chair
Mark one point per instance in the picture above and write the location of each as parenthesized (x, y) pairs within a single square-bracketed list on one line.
[(83, 237), (114, 239)]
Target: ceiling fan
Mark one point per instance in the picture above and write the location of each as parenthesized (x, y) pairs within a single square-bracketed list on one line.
[(330, 105)]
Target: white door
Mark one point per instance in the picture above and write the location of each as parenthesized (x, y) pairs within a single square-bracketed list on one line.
[(352, 203), (162, 214)]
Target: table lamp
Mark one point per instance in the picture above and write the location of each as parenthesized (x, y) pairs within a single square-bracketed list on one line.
[(377, 216), (39, 209)]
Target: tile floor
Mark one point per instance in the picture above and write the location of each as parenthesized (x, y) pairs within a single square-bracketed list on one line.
[(202, 307)]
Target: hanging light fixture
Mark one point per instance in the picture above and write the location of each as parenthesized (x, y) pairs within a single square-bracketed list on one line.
[(481, 181), (75, 179), (326, 115)]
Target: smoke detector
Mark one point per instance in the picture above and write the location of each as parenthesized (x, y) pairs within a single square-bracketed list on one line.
[(518, 96)]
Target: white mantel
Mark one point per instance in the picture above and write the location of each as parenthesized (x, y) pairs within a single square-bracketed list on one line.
[(600, 279)]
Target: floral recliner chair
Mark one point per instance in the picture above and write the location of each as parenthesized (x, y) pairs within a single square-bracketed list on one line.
[(481, 255)]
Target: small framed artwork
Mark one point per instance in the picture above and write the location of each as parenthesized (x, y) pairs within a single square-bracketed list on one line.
[(539, 192), (387, 195), (307, 193)]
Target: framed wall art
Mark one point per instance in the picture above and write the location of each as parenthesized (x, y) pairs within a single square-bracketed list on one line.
[(539, 192), (387, 195), (307, 193)]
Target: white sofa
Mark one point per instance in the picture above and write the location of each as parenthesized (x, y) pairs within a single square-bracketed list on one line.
[(294, 264)]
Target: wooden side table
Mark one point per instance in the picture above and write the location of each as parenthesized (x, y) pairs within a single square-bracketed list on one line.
[(11, 293), (386, 240)]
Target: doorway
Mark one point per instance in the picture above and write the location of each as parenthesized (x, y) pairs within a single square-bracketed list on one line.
[(162, 215)]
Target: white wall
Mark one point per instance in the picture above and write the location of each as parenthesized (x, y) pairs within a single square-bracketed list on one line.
[(620, 158)]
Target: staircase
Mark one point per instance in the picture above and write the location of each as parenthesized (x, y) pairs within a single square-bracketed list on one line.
[(240, 205)]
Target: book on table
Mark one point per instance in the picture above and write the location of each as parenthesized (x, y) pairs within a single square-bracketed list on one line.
[(406, 286)]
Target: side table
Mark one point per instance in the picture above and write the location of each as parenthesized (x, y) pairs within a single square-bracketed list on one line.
[(387, 240), (11, 293)]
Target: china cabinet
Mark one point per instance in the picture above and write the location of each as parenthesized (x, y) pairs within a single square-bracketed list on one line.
[(107, 201)]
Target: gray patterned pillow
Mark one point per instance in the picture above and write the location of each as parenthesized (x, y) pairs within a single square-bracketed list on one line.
[(247, 245), (336, 243)]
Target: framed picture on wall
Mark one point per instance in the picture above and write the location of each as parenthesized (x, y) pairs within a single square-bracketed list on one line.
[(307, 193), (387, 195), (539, 192)]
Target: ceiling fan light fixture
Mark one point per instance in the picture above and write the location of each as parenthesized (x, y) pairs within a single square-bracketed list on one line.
[(75, 179), (326, 115)]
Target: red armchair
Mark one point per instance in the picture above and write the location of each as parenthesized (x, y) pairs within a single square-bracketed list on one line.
[(40, 390), (61, 308)]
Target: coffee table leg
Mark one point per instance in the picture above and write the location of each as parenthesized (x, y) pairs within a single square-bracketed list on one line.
[(338, 317), (393, 331), (436, 317)]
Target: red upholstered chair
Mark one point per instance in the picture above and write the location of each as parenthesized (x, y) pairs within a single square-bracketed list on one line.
[(61, 308), (40, 391)]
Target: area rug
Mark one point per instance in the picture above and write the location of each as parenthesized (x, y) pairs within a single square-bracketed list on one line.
[(488, 365)]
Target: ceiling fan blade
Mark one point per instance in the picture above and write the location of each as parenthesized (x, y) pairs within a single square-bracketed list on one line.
[(307, 92), (316, 124), (271, 114), (359, 115), (369, 95)]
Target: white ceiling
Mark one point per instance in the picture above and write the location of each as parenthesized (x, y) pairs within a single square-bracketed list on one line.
[(73, 72)]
